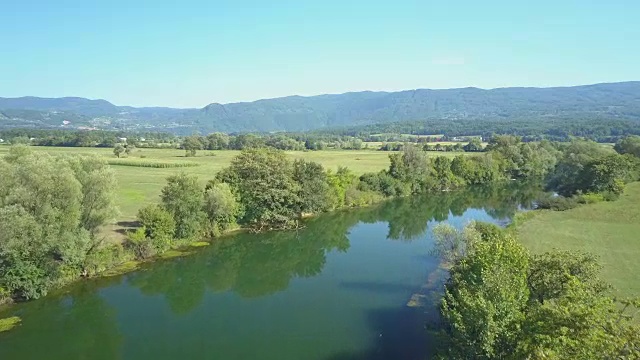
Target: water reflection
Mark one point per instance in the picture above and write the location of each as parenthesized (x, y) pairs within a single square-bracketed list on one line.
[(80, 325), (257, 265)]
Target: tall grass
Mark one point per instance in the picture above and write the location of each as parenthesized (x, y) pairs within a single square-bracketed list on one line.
[(151, 164)]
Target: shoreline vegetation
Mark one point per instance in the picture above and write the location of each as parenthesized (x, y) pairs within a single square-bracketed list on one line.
[(503, 302), (52, 206)]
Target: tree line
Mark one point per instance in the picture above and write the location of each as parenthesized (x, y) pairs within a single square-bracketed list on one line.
[(264, 189), (87, 138), (53, 206), (501, 302), (560, 128)]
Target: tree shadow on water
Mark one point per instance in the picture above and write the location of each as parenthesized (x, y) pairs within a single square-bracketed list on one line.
[(402, 335)]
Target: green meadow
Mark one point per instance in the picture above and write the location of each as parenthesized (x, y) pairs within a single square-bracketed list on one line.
[(142, 174), (610, 230)]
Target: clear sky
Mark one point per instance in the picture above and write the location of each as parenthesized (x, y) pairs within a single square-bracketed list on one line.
[(190, 53)]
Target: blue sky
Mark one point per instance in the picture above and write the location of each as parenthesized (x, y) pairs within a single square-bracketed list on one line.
[(191, 53)]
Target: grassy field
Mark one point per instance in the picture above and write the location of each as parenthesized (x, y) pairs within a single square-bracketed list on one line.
[(139, 186), (610, 230)]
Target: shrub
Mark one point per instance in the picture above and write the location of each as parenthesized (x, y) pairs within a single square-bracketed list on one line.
[(355, 197), (590, 198), (140, 245), (105, 258), (610, 196), (159, 226), (558, 203), (382, 183), (221, 207)]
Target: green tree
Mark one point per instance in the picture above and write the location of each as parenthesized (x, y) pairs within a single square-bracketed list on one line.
[(411, 167), (140, 244), (217, 141), (607, 174), (569, 176), (43, 240), (263, 178), (445, 178), (314, 189), (159, 226), (571, 315), (451, 244), (629, 145), (182, 197), (118, 150), (221, 208), (339, 182), (462, 168), (474, 145), (98, 184), (191, 144), (501, 303), (484, 298)]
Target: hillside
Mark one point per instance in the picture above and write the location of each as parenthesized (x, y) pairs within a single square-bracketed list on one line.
[(611, 101)]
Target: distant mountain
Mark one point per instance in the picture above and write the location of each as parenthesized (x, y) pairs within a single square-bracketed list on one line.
[(297, 113)]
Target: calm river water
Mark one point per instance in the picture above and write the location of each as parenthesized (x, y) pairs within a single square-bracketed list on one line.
[(338, 289)]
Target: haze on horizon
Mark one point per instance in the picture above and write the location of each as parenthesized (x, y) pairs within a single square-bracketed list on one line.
[(157, 54)]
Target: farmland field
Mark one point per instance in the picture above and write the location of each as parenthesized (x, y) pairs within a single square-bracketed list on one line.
[(140, 184)]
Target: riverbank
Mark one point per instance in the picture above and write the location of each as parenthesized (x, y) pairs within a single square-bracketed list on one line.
[(609, 230), (315, 292)]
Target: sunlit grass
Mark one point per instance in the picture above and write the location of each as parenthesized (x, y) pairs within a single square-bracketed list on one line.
[(610, 230)]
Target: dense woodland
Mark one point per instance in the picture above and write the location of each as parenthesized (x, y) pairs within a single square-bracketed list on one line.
[(51, 208)]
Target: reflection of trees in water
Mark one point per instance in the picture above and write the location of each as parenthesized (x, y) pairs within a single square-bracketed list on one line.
[(253, 265), (80, 325), (408, 217), (248, 264)]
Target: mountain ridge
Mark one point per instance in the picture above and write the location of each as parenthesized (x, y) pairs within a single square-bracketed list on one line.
[(302, 113)]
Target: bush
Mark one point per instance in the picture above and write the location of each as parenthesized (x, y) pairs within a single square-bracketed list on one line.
[(159, 227), (610, 196), (590, 198), (105, 258), (221, 207), (558, 203), (382, 183), (141, 246), (355, 197)]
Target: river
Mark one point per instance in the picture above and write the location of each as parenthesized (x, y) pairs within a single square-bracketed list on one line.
[(341, 288)]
